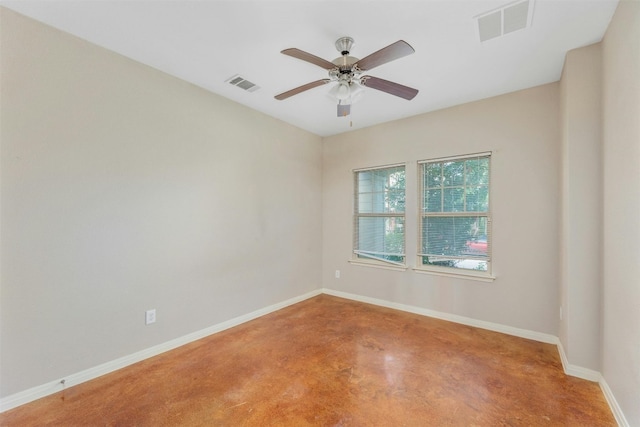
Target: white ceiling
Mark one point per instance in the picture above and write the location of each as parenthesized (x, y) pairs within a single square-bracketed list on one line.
[(206, 42)]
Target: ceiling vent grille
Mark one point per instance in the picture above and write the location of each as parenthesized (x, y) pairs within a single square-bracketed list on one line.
[(507, 19), (242, 83)]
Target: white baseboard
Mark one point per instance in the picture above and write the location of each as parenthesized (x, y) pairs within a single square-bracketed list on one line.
[(38, 392), (613, 404), (509, 330), (577, 371)]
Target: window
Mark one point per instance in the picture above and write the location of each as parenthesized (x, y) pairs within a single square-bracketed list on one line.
[(455, 221), (378, 220)]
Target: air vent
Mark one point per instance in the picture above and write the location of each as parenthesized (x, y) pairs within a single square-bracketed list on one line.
[(507, 19), (242, 83)]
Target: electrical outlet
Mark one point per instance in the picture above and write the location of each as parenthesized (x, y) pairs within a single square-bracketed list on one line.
[(150, 317), (337, 274)]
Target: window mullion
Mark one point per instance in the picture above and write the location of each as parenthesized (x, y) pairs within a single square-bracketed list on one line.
[(383, 214)]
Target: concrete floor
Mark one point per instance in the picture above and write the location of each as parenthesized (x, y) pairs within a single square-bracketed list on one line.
[(333, 362)]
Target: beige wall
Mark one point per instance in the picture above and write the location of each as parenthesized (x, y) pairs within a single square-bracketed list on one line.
[(522, 130), (581, 217), (124, 189), (621, 126)]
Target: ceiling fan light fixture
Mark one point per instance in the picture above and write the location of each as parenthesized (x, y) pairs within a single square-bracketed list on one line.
[(343, 91), (356, 91), (333, 92)]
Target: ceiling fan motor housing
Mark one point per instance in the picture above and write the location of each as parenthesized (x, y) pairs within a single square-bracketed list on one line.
[(345, 63)]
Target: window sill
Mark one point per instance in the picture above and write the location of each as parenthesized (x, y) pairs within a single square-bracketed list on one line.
[(464, 274), (378, 265)]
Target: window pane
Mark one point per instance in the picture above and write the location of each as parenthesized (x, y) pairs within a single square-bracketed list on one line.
[(466, 264), (433, 200), (436, 237), (464, 238), (381, 191), (395, 190), (453, 173), (433, 175), (477, 243), (365, 179), (395, 200), (453, 200), (477, 171), (444, 235), (471, 172), (381, 237), (477, 199), (365, 203)]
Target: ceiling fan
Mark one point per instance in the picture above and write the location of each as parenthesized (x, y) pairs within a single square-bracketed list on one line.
[(346, 71)]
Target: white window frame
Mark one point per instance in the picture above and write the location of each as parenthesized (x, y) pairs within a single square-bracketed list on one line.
[(422, 213), (369, 258)]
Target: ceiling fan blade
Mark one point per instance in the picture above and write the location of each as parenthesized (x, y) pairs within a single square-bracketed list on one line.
[(386, 54), (390, 87), (302, 88), (306, 56)]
